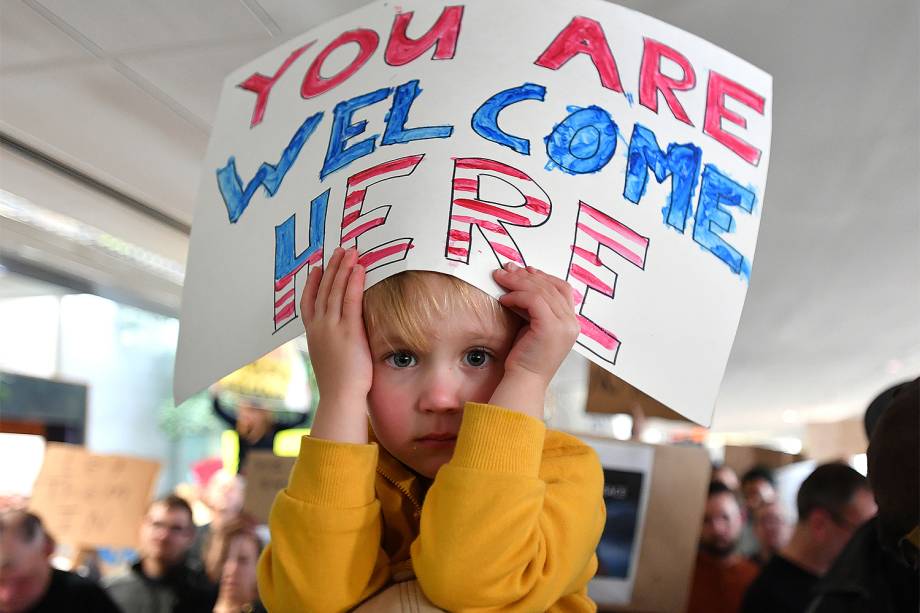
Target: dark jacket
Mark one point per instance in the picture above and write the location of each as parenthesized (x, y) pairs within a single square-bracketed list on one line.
[(72, 593), (868, 577), (180, 590)]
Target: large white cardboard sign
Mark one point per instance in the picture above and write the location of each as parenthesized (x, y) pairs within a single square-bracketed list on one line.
[(600, 145)]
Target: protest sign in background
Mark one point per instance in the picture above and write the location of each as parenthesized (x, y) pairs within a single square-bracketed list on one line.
[(266, 475), (92, 500), (600, 145)]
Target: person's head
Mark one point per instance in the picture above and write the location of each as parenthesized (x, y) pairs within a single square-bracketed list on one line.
[(877, 407), (833, 501), (25, 572), (757, 487), (436, 342), (167, 531), (772, 527), (721, 521), (894, 465), (725, 474), (231, 559)]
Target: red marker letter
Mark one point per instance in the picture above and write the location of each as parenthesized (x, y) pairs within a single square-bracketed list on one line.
[(262, 85), (651, 81), (587, 271), (401, 49), (719, 87), (492, 218), (356, 221), (315, 84), (583, 35)]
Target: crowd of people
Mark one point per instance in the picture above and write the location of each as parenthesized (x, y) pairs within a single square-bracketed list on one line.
[(849, 545), (180, 568), (852, 546)]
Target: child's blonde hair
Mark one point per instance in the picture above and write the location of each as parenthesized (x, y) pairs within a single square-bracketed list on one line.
[(409, 304)]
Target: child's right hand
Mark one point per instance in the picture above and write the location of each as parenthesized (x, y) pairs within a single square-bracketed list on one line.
[(332, 316)]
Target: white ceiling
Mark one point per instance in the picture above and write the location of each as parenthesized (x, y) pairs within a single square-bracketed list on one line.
[(124, 91)]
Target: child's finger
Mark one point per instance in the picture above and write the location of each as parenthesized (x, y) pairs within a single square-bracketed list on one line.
[(354, 294), (531, 305), (533, 280), (322, 293), (337, 290), (308, 298)]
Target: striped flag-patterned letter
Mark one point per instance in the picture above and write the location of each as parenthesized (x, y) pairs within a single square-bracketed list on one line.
[(288, 263), (587, 271), (492, 218), (356, 222)]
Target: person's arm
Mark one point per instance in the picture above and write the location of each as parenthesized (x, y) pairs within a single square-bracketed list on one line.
[(326, 526), (220, 411), (325, 552), (504, 526)]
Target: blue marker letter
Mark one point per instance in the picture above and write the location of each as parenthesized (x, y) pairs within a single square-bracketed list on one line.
[(485, 120), (584, 142), (682, 162), (396, 131), (268, 176), (338, 155), (717, 189), (288, 263)]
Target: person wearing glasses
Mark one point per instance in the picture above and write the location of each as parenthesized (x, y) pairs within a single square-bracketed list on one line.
[(162, 581), (833, 502)]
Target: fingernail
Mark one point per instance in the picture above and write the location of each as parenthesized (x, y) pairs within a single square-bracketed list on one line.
[(511, 267)]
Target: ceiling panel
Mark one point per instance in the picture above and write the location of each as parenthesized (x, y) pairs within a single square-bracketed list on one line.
[(194, 78), (297, 17), (103, 124), (26, 38), (123, 25)]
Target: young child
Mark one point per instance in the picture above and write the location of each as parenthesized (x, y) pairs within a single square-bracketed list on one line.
[(459, 484)]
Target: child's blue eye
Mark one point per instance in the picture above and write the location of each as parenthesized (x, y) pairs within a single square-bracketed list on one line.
[(401, 359), (477, 357)]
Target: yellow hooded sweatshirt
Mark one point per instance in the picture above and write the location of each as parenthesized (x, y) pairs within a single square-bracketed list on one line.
[(510, 523)]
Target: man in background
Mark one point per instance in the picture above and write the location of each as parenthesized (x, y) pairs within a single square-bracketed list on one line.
[(28, 583), (162, 581), (722, 575), (772, 528), (879, 570), (833, 502)]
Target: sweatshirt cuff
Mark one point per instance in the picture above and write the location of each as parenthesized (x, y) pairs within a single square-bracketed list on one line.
[(499, 440), (334, 474)]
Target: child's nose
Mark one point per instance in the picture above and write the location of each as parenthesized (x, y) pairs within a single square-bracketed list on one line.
[(442, 391)]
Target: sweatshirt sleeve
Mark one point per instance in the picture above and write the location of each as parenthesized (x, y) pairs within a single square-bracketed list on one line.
[(505, 524), (325, 552)]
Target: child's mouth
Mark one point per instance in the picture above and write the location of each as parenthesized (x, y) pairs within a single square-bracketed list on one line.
[(438, 439)]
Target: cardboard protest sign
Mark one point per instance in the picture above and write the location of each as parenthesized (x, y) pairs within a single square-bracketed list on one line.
[(600, 145), (93, 500), (266, 475), (837, 440), (607, 393), (741, 458)]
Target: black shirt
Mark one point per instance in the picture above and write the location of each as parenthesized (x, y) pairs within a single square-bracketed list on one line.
[(72, 593), (781, 587)]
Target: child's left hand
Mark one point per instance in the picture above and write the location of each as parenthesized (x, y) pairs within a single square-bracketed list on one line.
[(548, 334)]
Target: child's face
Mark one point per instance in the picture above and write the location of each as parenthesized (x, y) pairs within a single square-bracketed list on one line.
[(417, 397)]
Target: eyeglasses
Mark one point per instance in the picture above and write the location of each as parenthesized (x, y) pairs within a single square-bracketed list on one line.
[(173, 529)]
